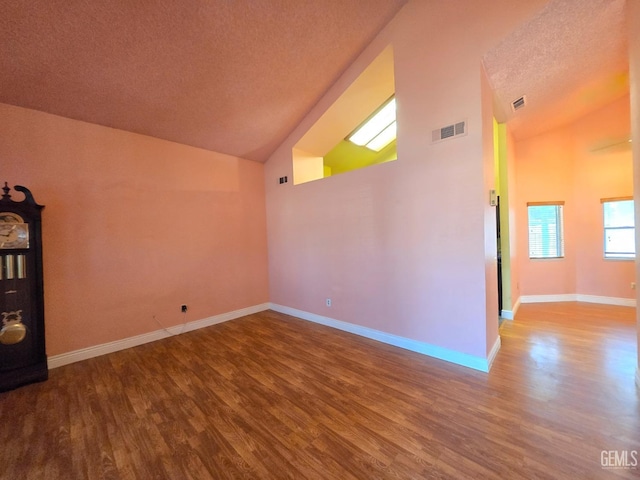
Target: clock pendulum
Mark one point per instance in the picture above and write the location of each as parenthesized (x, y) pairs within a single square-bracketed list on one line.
[(12, 330)]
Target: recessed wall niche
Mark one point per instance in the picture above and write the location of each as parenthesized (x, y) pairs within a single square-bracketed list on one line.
[(328, 147)]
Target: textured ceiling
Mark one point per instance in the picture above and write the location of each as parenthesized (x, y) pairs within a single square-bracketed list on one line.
[(232, 76), (237, 76), (569, 60)]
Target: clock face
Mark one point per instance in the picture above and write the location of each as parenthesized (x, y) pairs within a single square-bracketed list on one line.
[(14, 233), (10, 217)]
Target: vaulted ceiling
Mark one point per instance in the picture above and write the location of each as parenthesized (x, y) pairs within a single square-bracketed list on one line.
[(237, 76), (232, 76), (568, 60)]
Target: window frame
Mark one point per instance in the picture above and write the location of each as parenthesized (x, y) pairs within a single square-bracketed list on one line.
[(630, 256), (560, 230)]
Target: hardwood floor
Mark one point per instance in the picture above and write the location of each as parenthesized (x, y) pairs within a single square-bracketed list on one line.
[(271, 396)]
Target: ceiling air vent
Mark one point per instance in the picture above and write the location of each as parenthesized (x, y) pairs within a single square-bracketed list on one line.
[(519, 103), (453, 130)]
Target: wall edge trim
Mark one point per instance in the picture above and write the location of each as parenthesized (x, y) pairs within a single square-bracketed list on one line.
[(638, 377), (494, 351), (441, 353), (624, 302), (567, 297), (74, 356), (578, 297), (507, 314), (511, 314), (516, 306)]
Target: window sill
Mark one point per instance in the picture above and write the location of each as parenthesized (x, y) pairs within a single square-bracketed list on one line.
[(546, 258)]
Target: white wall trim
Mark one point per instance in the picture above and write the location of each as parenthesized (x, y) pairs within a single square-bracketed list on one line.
[(97, 350), (466, 360), (516, 306), (623, 302), (638, 377), (511, 314), (569, 297), (578, 297), (507, 314)]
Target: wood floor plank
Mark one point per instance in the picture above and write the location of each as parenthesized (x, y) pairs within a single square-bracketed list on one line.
[(269, 396)]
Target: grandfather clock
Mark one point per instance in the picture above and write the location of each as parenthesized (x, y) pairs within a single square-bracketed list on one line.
[(22, 347)]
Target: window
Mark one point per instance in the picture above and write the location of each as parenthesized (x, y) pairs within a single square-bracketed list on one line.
[(619, 228), (546, 233)]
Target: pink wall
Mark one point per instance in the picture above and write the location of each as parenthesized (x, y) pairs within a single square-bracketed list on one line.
[(400, 247), (134, 227), (561, 165), (536, 159), (490, 235), (634, 74)]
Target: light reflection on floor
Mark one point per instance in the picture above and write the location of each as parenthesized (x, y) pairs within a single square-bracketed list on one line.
[(594, 348), (618, 356), (545, 351)]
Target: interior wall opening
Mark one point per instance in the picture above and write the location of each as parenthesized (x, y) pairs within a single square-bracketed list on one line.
[(357, 131)]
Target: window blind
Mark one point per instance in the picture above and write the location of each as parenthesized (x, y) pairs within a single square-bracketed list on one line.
[(546, 232)]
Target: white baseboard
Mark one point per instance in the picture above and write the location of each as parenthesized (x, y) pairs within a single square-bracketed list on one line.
[(507, 314), (470, 361), (578, 297), (511, 314), (516, 306), (97, 350), (493, 352), (623, 302), (569, 297)]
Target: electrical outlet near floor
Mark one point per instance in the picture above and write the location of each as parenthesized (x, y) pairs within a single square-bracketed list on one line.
[(183, 309), (328, 302), (633, 285)]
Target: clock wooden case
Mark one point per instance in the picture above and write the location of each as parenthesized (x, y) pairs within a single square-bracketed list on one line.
[(23, 357)]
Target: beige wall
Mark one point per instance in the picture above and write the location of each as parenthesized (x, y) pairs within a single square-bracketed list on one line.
[(134, 227)]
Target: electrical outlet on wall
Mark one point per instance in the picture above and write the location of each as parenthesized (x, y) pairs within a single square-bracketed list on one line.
[(633, 285), (328, 302)]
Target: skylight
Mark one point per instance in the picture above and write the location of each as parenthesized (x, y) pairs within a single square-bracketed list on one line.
[(379, 130), (339, 141)]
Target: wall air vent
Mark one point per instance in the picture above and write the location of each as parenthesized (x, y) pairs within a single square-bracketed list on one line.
[(519, 103), (450, 131)]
